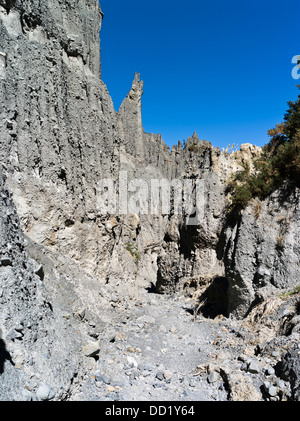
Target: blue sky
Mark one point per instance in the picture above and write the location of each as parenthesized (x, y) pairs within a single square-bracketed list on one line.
[(220, 68)]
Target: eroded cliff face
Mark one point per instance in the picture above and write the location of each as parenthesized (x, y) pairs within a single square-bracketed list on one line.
[(32, 334), (61, 136), (261, 251), (74, 274), (58, 124)]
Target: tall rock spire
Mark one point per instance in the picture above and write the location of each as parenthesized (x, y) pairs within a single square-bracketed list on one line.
[(130, 118)]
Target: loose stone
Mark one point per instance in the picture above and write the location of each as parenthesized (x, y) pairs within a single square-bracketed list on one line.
[(45, 392), (253, 367), (91, 349)]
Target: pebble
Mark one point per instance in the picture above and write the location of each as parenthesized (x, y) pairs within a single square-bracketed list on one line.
[(91, 349), (132, 361), (102, 378), (18, 335), (130, 349), (270, 371), (213, 377), (253, 367), (168, 375), (19, 328), (45, 392), (272, 391), (159, 375), (27, 395), (80, 313), (280, 383)]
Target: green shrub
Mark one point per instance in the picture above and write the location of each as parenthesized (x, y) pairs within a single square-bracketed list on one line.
[(279, 162), (294, 291), (133, 251)]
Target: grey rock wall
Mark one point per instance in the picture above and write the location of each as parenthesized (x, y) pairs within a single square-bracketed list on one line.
[(59, 136), (58, 126), (262, 251), (69, 272), (33, 348)]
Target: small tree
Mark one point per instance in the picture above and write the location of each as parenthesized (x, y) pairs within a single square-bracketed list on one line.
[(279, 162)]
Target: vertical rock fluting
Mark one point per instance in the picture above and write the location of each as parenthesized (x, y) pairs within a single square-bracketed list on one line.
[(262, 251), (32, 332), (58, 125)]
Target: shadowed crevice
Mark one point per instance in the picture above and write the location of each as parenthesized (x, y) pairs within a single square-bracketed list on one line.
[(4, 356)]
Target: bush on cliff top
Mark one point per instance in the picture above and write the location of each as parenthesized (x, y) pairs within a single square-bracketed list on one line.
[(279, 161)]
